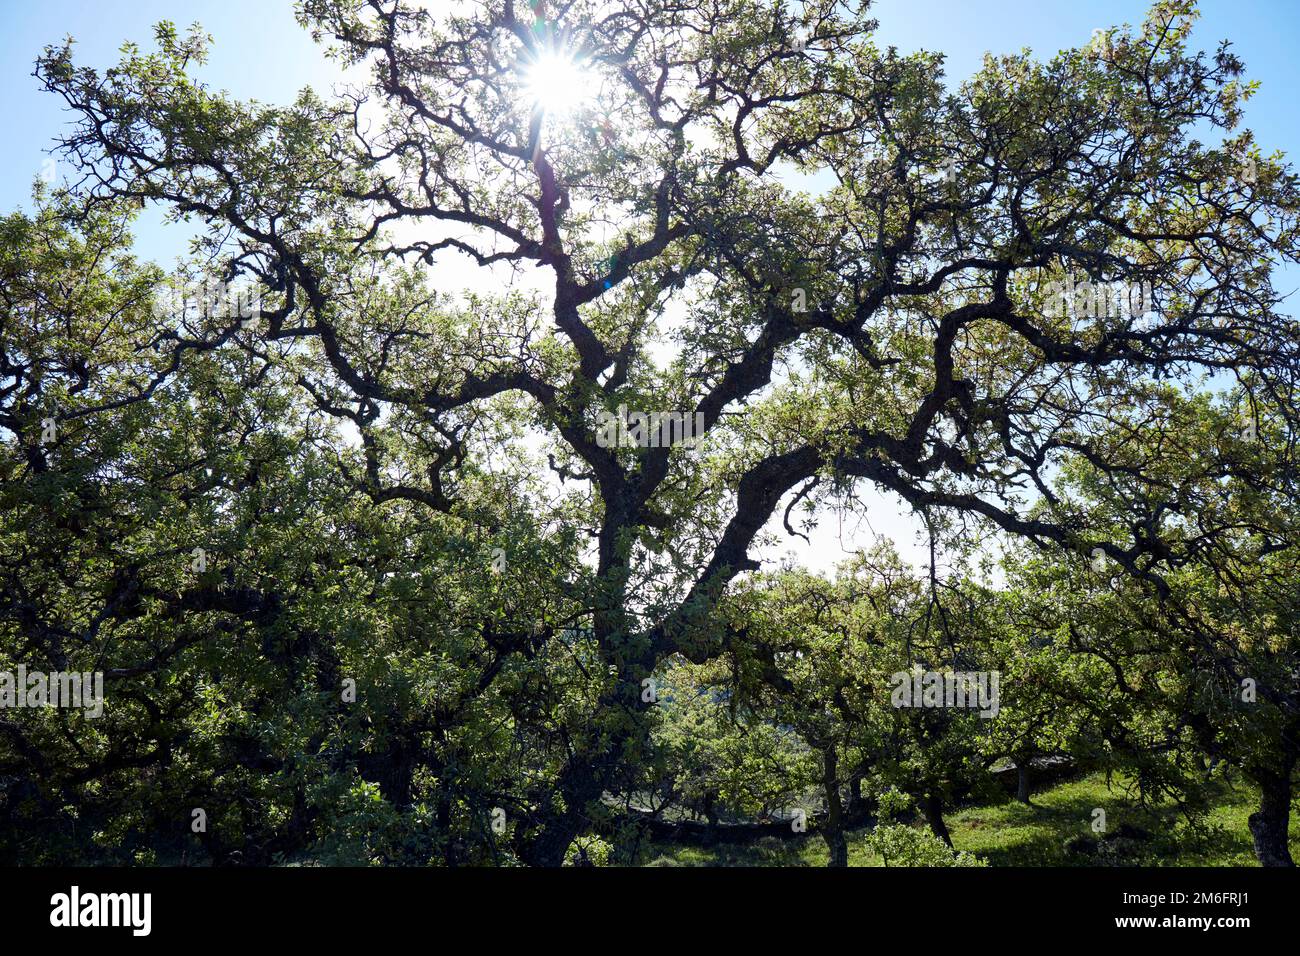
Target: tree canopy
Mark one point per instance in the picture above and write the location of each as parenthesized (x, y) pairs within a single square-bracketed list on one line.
[(367, 577)]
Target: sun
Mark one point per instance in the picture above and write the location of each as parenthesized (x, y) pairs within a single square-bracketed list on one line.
[(556, 82)]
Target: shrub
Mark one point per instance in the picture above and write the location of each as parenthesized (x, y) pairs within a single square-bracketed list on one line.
[(899, 845)]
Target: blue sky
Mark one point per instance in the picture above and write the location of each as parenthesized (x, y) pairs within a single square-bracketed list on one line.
[(260, 52)]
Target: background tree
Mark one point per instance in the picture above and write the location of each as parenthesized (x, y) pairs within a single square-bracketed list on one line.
[(180, 517), (1195, 660)]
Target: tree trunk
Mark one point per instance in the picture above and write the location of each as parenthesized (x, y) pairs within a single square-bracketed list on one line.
[(585, 774), (934, 816), (549, 847), (838, 846), (1270, 823), (449, 856), (1022, 781), (581, 782), (710, 808), (833, 828)]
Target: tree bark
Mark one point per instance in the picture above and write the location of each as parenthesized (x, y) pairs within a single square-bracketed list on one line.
[(934, 816), (449, 856), (581, 782), (1269, 825), (833, 828), (855, 793), (1022, 781), (710, 807)]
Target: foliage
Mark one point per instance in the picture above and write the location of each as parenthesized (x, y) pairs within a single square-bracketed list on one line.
[(367, 585), (899, 845)]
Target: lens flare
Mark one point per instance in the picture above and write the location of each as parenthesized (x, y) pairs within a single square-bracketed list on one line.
[(556, 82)]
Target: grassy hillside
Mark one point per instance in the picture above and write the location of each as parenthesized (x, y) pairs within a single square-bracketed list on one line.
[(1011, 834)]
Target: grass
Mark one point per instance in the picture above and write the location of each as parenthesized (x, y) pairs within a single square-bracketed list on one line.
[(1012, 834)]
